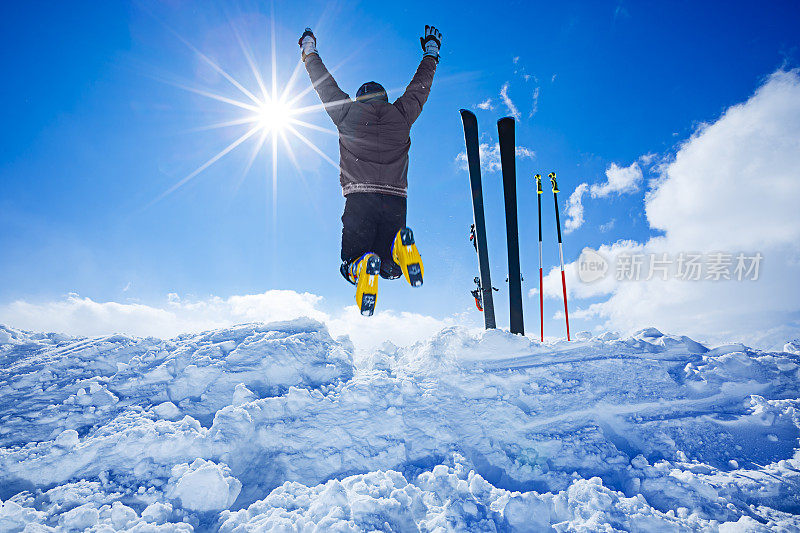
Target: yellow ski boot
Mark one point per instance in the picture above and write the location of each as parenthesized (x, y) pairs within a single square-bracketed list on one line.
[(406, 255), (366, 275)]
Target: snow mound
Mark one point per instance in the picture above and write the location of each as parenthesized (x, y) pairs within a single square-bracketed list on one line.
[(274, 427), (203, 486)]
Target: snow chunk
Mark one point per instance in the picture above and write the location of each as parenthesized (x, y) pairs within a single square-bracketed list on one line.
[(122, 515), (157, 513), (242, 395), (80, 518), (15, 517), (167, 410), (203, 485), (67, 439), (745, 524), (792, 347)]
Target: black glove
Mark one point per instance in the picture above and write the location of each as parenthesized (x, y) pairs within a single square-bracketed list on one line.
[(431, 42)]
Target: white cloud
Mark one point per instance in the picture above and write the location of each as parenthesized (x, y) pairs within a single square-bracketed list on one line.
[(486, 105), (648, 159), (575, 208), (535, 106), (523, 152), (619, 180), (735, 182), (401, 329), (608, 225), (512, 109), (621, 12), (732, 187), (490, 157), (76, 315)]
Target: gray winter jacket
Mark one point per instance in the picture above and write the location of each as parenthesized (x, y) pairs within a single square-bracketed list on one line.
[(373, 136)]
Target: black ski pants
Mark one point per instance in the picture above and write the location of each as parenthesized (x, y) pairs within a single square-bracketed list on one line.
[(369, 224)]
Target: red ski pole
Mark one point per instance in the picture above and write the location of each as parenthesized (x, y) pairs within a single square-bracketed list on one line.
[(541, 293), (552, 177)]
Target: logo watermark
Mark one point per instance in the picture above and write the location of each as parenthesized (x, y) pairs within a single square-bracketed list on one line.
[(591, 266), (683, 266)]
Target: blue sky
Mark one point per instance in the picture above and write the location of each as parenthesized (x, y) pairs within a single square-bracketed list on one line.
[(96, 129)]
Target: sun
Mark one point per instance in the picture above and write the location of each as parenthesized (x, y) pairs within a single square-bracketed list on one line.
[(273, 116)]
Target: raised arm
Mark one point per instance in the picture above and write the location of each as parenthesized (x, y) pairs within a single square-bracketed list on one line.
[(337, 102), (416, 94)]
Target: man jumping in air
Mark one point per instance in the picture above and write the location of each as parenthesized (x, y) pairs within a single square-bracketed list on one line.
[(373, 160)]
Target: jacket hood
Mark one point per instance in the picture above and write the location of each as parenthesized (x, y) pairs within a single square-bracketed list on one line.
[(372, 91)]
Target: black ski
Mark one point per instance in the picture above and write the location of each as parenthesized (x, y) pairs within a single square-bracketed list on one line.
[(505, 131), (474, 163)]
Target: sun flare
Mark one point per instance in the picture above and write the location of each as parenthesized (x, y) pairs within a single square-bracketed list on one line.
[(273, 116), (270, 116)]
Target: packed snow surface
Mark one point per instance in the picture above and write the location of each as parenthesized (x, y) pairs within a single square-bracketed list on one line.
[(280, 427)]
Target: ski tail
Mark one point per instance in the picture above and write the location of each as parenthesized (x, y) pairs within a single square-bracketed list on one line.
[(505, 131), (476, 293), (476, 188)]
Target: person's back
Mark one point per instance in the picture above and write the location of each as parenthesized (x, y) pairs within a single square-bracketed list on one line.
[(374, 142), (373, 133)]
